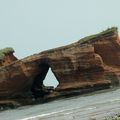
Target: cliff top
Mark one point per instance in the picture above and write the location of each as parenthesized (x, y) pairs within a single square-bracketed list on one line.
[(86, 39), (103, 33), (5, 51)]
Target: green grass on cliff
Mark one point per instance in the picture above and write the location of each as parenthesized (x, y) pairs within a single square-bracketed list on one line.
[(5, 51), (89, 38)]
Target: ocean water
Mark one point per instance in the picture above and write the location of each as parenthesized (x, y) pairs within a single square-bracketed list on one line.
[(97, 105)]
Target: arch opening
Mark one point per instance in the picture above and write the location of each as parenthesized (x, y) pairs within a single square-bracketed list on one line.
[(44, 83), (50, 79)]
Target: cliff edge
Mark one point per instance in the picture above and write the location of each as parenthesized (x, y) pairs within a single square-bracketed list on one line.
[(90, 64)]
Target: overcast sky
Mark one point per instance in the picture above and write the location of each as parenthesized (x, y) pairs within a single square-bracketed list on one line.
[(31, 26)]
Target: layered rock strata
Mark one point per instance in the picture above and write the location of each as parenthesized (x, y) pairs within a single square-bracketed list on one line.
[(90, 64)]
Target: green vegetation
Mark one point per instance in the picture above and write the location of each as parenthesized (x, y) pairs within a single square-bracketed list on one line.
[(90, 38), (116, 117), (5, 51)]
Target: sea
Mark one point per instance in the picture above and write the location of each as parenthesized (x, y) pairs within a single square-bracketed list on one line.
[(92, 106)]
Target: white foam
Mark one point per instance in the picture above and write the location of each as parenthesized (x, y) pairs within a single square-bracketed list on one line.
[(43, 115), (52, 113)]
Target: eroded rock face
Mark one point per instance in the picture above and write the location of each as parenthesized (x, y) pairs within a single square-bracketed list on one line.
[(7, 57), (89, 64)]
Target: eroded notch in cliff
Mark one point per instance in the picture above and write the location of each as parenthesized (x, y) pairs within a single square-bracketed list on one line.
[(39, 87)]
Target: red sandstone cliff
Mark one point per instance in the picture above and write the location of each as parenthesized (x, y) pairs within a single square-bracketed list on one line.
[(6, 56), (91, 63)]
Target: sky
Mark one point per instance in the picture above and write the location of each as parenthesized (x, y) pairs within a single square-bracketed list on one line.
[(32, 26)]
